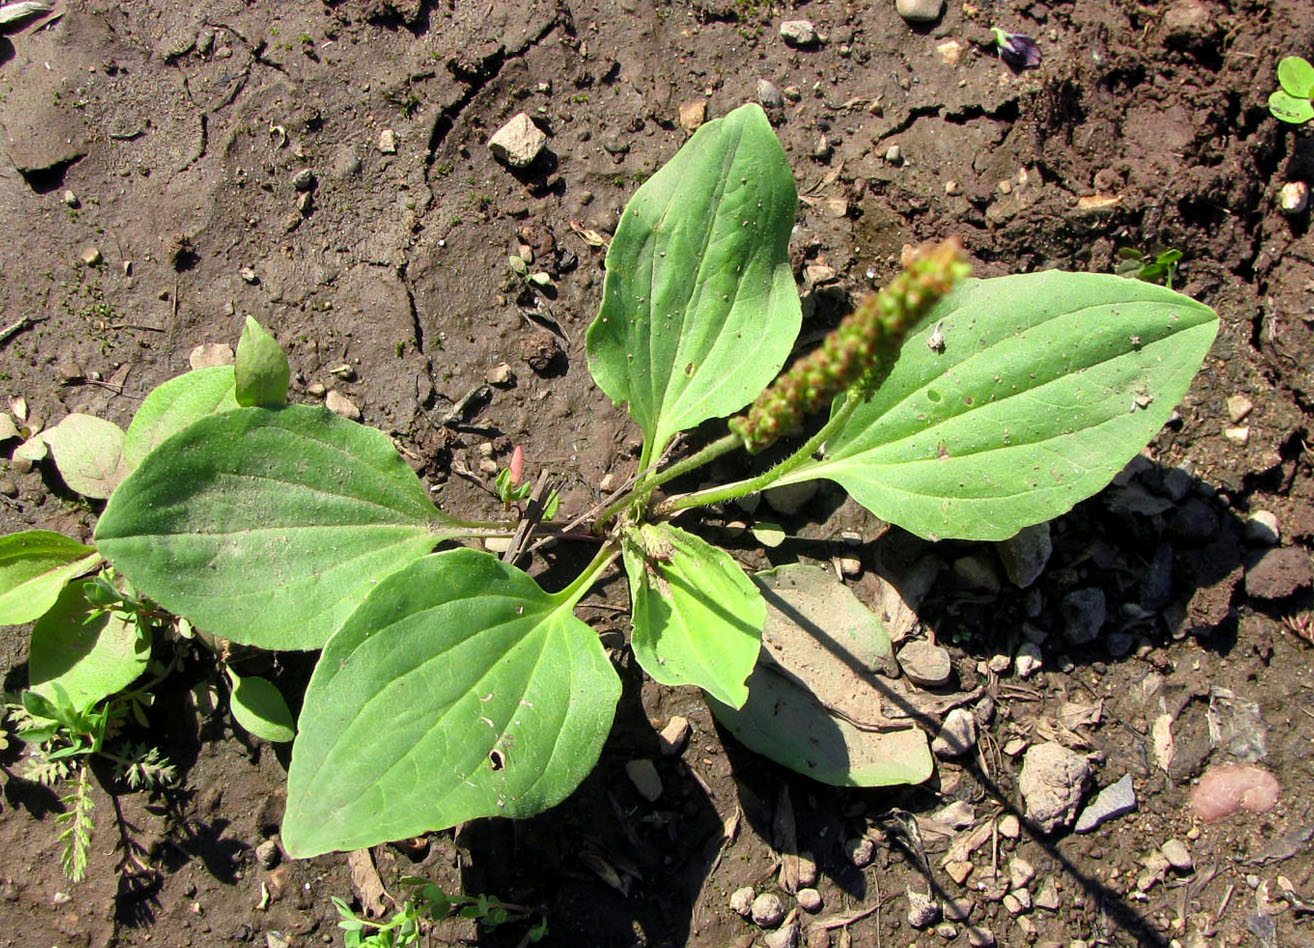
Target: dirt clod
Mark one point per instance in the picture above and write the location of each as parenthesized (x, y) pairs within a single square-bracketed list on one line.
[(1052, 782)]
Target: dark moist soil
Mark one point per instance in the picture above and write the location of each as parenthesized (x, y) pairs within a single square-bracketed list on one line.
[(179, 129)]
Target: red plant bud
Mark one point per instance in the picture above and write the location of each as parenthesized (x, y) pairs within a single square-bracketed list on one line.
[(517, 465)]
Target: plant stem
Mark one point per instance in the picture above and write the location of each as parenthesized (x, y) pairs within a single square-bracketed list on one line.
[(576, 590), (754, 484), (645, 485)]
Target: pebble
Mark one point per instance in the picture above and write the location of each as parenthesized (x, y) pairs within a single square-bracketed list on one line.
[(643, 774), (860, 850), (1016, 904), (947, 931), (925, 664), (693, 115), (1020, 873), (958, 814), (767, 910), (248, 275), (1238, 407), (810, 900), (798, 32), (1010, 827), (976, 571), (741, 900), (850, 566), (1238, 434), (674, 735), (340, 404), (999, 664), (958, 910), (8, 488), (1225, 789), (950, 51), (1051, 784), (1025, 554), (919, 11), (894, 154), (518, 142), (958, 870), (957, 735), (1084, 612), (1028, 660), (1048, 897), (91, 257), (1293, 198), (807, 868), (1115, 800), (1262, 527), (500, 374), (922, 909), (784, 937), (768, 96), (488, 466), (267, 853), (303, 180), (71, 200), (316, 390), (387, 142), (791, 498), (980, 937), (1178, 856)]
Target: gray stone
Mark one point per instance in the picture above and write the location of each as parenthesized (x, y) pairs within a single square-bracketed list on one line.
[(798, 32), (643, 774), (786, 936), (1262, 528), (303, 180), (1115, 800), (925, 664), (768, 96), (518, 142), (810, 900), (1084, 612), (919, 11), (767, 910), (267, 853), (1178, 856), (1028, 660), (1048, 898), (1025, 554), (387, 144), (741, 900), (860, 850), (922, 909), (957, 735), (1051, 783)]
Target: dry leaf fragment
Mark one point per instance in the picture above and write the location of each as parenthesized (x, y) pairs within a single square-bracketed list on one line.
[(365, 880), (588, 235)]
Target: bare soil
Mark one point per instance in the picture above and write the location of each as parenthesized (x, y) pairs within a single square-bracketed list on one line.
[(179, 129)]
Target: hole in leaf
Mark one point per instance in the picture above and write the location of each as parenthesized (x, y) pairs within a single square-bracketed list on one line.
[(496, 759)]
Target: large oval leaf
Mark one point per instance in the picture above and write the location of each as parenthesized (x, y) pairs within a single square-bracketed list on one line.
[(258, 706), (699, 309), (34, 566), (697, 617), (173, 406), (88, 453), (89, 658), (1043, 387), (458, 689), (268, 526)]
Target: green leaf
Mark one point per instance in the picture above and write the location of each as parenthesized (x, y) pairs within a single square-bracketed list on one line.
[(268, 526), (261, 373), (1296, 76), (1047, 385), (458, 689), (259, 708), (176, 404), (90, 658), (815, 701), (34, 566), (699, 307), (88, 453), (1290, 108), (769, 534), (697, 617)]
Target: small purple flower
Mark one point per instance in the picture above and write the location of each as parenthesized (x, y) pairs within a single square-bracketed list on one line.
[(1016, 49)]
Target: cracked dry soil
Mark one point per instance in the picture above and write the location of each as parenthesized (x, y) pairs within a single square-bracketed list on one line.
[(184, 131)]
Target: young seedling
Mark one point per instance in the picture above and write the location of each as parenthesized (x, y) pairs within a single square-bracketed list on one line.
[(427, 903), (1291, 103), (450, 685), (1158, 265)]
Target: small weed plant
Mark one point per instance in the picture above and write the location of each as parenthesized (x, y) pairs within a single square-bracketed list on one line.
[(1156, 265), (1291, 102), (450, 685), (428, 903)]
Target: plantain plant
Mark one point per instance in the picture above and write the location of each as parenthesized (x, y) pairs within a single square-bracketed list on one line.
[(450, 685)]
